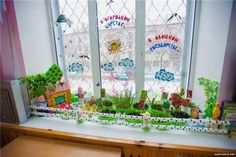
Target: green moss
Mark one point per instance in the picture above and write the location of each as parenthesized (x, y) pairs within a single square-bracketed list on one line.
[(136, 121), (107, 118)]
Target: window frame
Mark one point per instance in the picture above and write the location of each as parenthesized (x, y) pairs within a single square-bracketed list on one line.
[(188, 55)]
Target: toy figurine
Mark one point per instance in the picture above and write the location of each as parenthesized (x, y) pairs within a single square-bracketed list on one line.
[(94, 108), (87, 106), (92, 100), (80, 93), (181, 92), (216, 112), (146, 117)]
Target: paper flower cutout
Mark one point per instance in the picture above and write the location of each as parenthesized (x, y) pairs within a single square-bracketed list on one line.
[(114, 46), (128, 63), (108, 67), (76, 67), (164, 75)]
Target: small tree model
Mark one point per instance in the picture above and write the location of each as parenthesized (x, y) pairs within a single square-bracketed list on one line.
[(210, 90)]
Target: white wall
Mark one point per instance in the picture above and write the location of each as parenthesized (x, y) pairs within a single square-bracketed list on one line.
[(228, 79), (36, 38), (211, 42)]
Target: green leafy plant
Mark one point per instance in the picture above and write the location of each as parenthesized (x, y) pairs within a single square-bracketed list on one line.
[(107, 102), (210, 90), (37, 84), (123, 101)]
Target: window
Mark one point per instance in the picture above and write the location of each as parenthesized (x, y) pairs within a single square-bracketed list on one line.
[(166, 49)]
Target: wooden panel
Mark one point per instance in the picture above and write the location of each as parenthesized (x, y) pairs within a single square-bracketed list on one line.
[(7, 115), (129, 148), (24, 146)]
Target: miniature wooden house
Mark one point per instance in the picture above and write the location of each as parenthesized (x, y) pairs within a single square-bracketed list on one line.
[(58, 96)]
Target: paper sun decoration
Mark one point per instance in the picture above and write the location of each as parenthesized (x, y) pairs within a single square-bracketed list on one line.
[(164, 75), (114, 46)]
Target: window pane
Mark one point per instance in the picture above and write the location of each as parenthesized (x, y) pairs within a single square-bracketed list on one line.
[(116, 21), (77, 44), (164, 30)]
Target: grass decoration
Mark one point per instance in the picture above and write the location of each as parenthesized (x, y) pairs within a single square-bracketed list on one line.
[(167, 123), (123, 101), (156, 113), (179, 114), (107, 118), (107, 110), (133, 111), (135, 121), (211, 89)]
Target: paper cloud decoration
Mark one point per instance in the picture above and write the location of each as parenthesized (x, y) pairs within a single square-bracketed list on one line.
[(128, 63), (108, 67), (76, 67), (164, 75)]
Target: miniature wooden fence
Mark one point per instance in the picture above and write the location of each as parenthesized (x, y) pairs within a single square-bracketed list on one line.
[(199, 125)]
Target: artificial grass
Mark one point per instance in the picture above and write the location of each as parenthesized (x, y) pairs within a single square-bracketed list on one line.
[(106, 118), (136, 121)]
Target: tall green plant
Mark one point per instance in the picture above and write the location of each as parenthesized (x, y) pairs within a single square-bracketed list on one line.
[(211, 91), (124, 100)]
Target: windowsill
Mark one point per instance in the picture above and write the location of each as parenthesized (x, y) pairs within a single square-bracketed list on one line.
[(128, 133)]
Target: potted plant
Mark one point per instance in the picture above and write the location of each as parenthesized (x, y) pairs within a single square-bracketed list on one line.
[(37, 86)]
